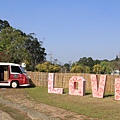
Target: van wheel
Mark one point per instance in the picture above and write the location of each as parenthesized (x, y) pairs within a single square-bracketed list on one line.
[(14, 84)]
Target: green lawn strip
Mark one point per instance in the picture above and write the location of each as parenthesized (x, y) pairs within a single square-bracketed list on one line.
[(106, 108), (14, 113)]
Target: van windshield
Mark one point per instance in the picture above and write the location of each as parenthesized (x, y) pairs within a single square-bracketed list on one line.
[(23, 71)]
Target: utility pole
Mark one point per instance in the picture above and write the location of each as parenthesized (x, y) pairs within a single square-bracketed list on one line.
[(119, 54), (50, 56)]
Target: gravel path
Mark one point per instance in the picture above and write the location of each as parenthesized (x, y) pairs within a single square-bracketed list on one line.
[(5, 116), (16, 98)]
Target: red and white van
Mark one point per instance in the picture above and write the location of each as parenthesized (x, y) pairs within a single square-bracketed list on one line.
[(13, 75)]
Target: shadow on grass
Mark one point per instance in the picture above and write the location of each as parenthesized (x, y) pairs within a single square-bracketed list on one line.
[(2, 87), (108, 95), (88, 93), (20, 87), (66, 91)]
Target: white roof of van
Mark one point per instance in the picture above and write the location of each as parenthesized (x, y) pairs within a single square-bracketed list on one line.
[(3, 63)]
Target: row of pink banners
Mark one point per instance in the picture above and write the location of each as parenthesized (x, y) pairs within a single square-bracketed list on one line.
[(98, 88)]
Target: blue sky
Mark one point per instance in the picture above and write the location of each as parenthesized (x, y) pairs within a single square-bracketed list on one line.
[(72, 28)]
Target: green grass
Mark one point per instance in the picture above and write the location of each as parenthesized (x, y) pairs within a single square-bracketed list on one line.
[(106, 108), (14, 113)]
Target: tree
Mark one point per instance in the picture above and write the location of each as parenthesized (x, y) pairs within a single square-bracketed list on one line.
[(86, 69), (117, 58), (66, 67), (48, 67), (97, 69), (12, 44), (18, 47), (96, 62), (82, 61), (3, 24), (35, 50), (115, 65), (77, 69), (86, 62), (106, 67)]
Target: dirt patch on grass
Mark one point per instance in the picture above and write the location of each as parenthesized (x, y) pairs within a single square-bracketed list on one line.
[(19, 97), (9, 113)]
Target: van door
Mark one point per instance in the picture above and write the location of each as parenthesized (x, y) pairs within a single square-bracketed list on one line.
[(16, 73), (1, 73)]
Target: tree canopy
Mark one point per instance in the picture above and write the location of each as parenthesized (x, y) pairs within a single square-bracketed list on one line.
[(4, 24), (18, 47), (48, 67), (88, 65)]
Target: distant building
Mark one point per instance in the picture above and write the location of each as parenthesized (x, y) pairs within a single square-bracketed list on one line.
[(115, 72)]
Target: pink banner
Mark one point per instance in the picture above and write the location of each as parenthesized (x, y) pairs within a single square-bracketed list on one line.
[(81, 86), (98, 90), (117, 88), (51, 88)]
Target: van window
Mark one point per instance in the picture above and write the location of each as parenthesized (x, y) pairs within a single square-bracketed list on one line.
[(15, 69)]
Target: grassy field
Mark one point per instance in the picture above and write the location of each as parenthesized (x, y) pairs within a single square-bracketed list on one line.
[(105, 109)]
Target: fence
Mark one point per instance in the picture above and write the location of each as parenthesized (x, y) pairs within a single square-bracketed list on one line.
[(62, 80)]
